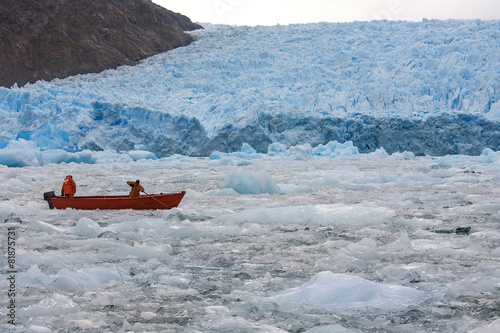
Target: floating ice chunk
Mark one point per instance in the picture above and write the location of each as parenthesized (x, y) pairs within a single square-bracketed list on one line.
[(145, 251), (417, 222), (300, 153), (58, 156), (495, 253), (292, 188), (327, 289), (484, 284), (217, 155), (247, 149), (87, 227), (7, 209), (488, 206), (333, 329), (406, 155), (247, 153), (346, 262), (219, 319), (34, 276), (363, 251), (401, 246), (15, 185), (137, 227), (334, 148), (250, 182), (141, 155), (275, 149), (39, 226), (336, 214), (20, 153), (413, 272), (101, 300), (379, 153), (488, 152), (66, 282), (492, 328), (53, 305), (95, 277), (38, 329), (126, 327), (31, 208), (222, 192), (148, 315), (111, 156)]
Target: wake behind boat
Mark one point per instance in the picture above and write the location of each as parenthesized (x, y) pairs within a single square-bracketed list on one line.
[(148, 201)]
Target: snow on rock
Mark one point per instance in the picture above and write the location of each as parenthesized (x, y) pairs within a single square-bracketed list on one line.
[(327, 289)]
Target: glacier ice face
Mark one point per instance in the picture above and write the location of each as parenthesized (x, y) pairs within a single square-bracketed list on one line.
[(430, 88)]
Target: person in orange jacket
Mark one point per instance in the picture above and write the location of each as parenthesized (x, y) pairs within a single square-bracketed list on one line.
[(69, 187), (136, 188)]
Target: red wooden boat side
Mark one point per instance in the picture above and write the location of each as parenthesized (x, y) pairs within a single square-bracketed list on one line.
[(153, 201)]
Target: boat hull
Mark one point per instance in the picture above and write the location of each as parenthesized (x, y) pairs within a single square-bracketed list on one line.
[(152, 201)]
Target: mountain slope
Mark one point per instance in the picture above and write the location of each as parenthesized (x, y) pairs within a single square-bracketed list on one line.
[(43, 40)]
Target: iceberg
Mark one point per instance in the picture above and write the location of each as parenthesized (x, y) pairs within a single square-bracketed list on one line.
[(20, 153), (250, 182), (327, 289)]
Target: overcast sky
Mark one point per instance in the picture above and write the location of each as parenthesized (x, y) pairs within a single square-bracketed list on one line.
[(272, 12)]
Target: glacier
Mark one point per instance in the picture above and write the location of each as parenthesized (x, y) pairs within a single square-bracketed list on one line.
[(430, 88)]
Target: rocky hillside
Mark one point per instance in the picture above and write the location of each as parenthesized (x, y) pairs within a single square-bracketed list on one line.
[(58, 38)]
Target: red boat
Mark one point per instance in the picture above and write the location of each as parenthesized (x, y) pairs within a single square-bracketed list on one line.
[(150, 201)]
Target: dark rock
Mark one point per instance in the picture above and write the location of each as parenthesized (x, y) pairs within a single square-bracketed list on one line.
[(463, 231), (13, 220), (243, 276), (458, 231), (58, 38), (91, 145)]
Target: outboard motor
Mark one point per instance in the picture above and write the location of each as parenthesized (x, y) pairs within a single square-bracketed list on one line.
[(47, 196)]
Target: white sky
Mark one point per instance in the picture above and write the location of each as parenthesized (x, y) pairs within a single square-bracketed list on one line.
[(272, 12)]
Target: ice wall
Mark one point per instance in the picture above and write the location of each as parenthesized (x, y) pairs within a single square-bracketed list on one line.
[(431, 87)]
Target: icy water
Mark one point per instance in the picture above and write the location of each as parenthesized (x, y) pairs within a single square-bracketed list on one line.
[(228, 262)]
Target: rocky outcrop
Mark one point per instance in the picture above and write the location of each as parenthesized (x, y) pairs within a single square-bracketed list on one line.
[(58, 38)]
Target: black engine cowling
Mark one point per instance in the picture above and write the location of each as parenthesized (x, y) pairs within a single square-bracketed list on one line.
[(47, 196)]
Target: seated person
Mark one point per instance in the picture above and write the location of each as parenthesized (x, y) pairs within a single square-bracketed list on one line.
[(136, 188)]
